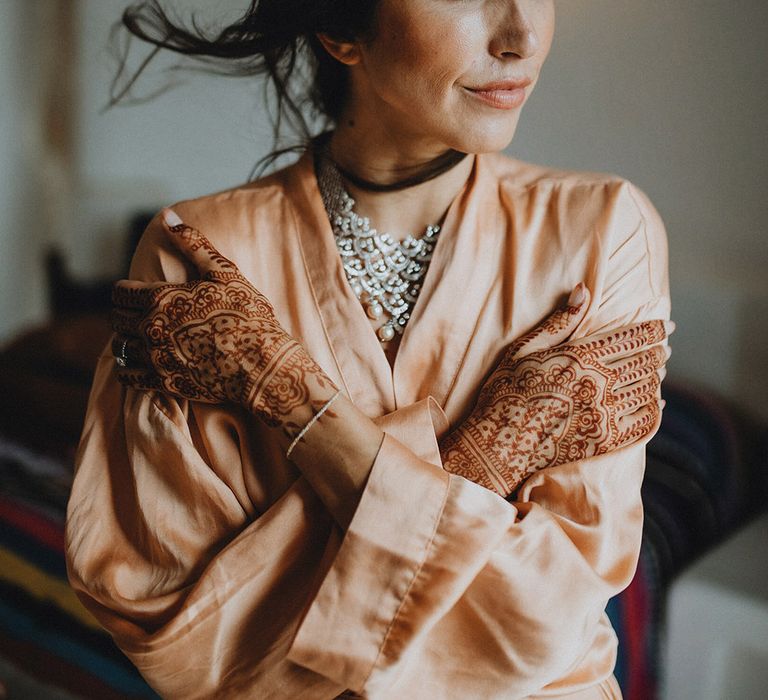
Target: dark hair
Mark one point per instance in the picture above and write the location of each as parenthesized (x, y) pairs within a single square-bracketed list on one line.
[(276, 38)]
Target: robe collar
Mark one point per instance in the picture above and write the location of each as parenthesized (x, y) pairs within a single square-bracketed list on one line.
[(462, 270)]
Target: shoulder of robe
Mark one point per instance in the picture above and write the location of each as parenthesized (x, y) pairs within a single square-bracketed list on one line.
[(603, 212), (234, 220), (519, 174)]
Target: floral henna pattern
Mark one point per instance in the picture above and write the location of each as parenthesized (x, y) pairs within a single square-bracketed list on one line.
[(218, 341), (557, 405), (214, 340), (281, 393)]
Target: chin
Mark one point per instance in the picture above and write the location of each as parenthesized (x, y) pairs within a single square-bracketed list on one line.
[(476, 139)]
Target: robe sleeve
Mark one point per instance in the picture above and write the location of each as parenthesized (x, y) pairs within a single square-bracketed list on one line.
[(200, 592), (199, 576), (444, 589)]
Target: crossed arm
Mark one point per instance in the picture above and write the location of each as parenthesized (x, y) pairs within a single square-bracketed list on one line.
[(547, 402)]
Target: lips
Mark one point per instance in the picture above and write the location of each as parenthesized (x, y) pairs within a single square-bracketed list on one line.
[(503, 94), (503, 86)]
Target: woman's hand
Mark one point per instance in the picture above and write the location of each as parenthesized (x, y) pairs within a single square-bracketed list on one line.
[(549, 402), (215, 339)]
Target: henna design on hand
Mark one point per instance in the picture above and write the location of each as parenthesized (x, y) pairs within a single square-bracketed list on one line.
[(559, 404), (215, 339)]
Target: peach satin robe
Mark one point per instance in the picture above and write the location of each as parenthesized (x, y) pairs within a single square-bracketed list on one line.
[(219, 572)]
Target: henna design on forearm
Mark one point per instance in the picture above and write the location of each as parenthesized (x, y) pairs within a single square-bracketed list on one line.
[(285, 386)]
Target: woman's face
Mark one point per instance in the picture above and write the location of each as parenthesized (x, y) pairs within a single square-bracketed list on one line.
[(445, 71)]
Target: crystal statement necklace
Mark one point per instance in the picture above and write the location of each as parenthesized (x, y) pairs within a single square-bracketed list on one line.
[(386, 276)]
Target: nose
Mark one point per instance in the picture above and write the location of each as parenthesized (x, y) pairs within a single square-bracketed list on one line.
[(515, 35)]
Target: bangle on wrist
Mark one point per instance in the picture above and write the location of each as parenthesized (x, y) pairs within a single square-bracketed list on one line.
[(311, 423)]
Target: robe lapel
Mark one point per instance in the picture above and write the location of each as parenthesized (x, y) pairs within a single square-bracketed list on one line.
[(464, 266), (363, 366), (440, 328)]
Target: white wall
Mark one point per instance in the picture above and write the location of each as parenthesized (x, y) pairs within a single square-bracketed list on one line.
[(204, 135), (670, 94), (22, 222)]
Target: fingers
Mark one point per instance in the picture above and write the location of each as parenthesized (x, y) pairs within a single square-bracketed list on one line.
[(638, 425), (130, 294), (556, 328), (195, 246), (626, 340), (132, 364), (131, 301), (126, 321), (140, 379), (642, 393), (641, 365)]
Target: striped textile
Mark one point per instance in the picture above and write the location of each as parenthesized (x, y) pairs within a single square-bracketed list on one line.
[(44, 629)]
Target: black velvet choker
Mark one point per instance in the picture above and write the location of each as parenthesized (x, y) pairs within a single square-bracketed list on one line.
[(442, 164)]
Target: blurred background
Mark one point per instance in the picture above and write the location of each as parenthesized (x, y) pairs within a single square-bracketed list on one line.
[(671, 95)]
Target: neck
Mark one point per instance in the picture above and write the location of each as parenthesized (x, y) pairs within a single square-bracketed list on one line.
[(372, 155)]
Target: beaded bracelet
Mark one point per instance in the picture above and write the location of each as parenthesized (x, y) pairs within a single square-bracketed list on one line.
[(311, 423)]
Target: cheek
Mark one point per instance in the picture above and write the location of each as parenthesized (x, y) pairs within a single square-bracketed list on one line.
[(546, 31), (424, 56)]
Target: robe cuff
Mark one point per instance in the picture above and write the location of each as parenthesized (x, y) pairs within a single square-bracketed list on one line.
[(348, 622), (419, 427)]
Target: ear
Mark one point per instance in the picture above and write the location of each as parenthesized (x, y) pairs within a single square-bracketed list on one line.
[(345, 52)]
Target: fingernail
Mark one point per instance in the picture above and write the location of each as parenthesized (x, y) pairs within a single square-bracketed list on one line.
[(171, 218), (577, 295), (670, 326)]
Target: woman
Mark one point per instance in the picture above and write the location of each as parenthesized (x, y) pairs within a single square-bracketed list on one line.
[(304, 475)]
